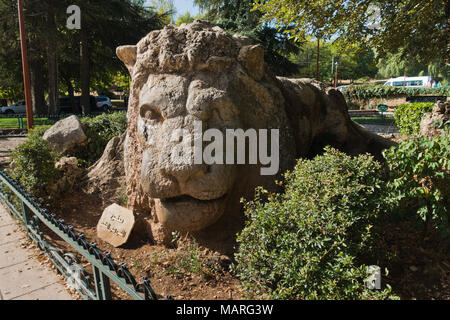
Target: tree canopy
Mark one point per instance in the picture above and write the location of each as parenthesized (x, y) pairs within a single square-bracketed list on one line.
[(237, 16), (419, 28), (54, 50), (354, 62)]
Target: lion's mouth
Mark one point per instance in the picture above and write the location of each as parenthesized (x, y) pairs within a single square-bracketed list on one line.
[(187, 198), (185, 213)]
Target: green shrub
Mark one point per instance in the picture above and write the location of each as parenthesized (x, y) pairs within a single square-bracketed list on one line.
[(34, 165), (38, 132), (370, 91), (306, 243), (34, 160), (100, 130), (420, 174), (408, 116)]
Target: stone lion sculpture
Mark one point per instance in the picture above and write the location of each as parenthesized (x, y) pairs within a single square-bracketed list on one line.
[(199, 72)]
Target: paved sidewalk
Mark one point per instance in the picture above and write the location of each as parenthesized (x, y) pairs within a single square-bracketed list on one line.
[(381, 129), (7, 145), (22, 276)]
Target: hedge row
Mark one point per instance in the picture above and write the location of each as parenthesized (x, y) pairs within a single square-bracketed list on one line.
[(408, 116), (367, 92)]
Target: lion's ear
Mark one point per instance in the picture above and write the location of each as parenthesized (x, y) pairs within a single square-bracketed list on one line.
[(128, 55), (252, 58)]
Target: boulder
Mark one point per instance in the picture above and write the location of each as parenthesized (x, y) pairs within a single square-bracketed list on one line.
[(66, 134), (67, 164), (106, 178), (431, 124), (71, 173)]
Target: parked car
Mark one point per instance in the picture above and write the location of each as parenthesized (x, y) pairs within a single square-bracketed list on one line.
[(16, 108), (65, 105), (343, 88), (103, 103)]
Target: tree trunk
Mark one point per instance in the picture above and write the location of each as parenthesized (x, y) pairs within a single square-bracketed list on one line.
[(71, 91), (447, 11), (52, 62), (85, 73), (37, 88)]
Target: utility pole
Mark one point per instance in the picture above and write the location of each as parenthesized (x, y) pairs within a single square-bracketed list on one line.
[(25, 69), (318, 59), (336, 80), (332, 69)]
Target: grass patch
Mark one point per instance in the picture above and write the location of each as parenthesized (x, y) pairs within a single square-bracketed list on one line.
[(21, 123)]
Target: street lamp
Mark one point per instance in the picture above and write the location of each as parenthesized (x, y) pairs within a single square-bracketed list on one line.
[(25, 69)]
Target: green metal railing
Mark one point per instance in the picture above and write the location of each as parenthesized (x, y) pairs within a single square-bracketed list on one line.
[(19, 121), (104, 269)]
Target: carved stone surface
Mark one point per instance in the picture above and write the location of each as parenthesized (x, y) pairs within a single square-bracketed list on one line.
[(198, 72), (115, 225)]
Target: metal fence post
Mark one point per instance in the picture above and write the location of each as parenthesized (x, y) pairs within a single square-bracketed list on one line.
[(102, 285), (25, 213), (104, 268), (106, 287)]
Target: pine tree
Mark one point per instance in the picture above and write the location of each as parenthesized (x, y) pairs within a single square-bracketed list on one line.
[(237, 16)]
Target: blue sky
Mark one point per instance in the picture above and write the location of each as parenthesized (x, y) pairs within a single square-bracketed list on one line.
[(184, 6)]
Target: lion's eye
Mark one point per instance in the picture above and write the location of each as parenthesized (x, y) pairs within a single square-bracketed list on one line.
[(149, 113)]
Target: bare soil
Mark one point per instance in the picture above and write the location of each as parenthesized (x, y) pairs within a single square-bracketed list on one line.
[(187, 271), (418, 263)]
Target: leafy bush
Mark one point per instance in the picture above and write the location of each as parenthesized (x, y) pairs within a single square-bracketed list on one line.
[(367, 92), (420, 173), (34, 164), (408, 116), (307, 242), (189, 259), (38, 132), (100, 130), (34, 160)]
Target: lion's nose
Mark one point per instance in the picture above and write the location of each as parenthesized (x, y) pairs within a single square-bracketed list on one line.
[(181, 166), (185, 173)]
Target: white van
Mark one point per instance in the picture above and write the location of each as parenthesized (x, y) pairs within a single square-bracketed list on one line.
[(414, 82)]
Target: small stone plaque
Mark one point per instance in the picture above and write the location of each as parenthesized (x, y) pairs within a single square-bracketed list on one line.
[(115, 225)]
